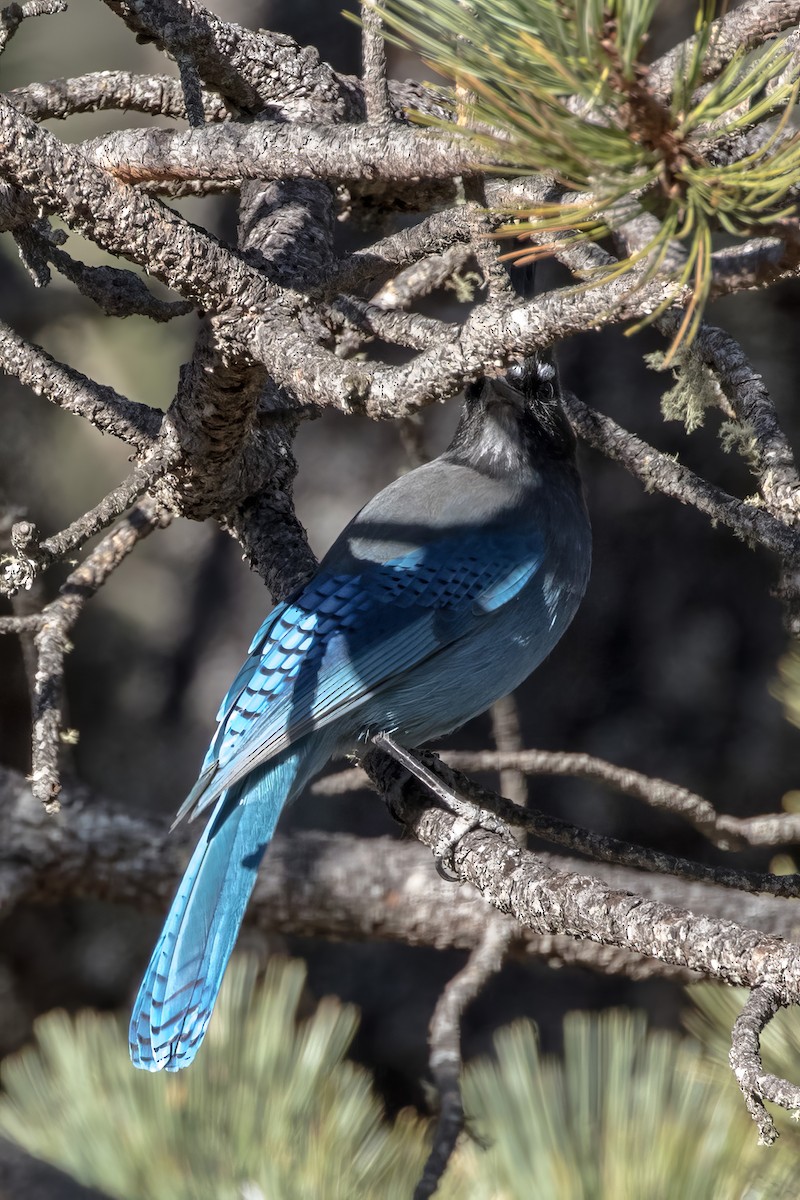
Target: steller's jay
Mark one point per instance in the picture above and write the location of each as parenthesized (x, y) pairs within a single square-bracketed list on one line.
[(438, 598)]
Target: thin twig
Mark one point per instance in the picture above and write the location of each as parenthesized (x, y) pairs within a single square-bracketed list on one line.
[(423, 277), (445, 1048), (52, 643), (480, 225), (12, 17), (508, 741), (118, 293), (746, 27), (30, 250), (773, 463), (161, 95), (27, 605), (659, 472), (657, 793), (110, 507), (514, 881), (192, 90), (32, 555), (471, 804), (431, 236), (373, 57), (21, 624), (104, 408), (745, 1058), (723, 830), (391, 325)]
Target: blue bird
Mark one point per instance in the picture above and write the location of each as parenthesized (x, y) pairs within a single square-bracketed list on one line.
[(441, 595)]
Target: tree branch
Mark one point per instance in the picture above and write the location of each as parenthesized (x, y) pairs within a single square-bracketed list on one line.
[(33, 555), (745, 1059), (314, 884), (746, 27), (118, 293), (264, 150), (104, 408), (13, 15), (373, 57), (659, 472), (445, 1048), (52, 643), (517, 882), (100, 91), (258, 71)]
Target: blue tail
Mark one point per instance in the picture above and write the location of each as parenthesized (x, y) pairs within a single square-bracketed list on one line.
[(180, 986)]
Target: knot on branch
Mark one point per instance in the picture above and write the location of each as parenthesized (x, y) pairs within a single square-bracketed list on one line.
[(18, 570)]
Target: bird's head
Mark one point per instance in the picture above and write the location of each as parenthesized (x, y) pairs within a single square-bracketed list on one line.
[(514, 420)]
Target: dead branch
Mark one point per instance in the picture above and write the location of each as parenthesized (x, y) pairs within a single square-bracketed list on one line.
[(13, 15), (745, 1059), (18, 571), (99, 91), (106, 409), (52, 643), (373, 58), (445, 1048), (269, 151), (746, 27), (517, 882)]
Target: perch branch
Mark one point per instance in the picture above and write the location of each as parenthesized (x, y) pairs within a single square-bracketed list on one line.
[(317, 885), (475, 807), (725, 831), (517, 882)]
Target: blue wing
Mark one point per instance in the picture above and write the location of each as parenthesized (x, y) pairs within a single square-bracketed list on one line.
[(345, 637)]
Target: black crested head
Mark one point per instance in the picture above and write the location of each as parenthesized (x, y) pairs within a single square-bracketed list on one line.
[(513, 422)]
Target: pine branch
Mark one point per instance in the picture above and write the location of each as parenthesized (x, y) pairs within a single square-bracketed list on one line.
[(101, 91), (104, 408)]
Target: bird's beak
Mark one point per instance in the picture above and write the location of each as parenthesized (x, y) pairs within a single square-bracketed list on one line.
[(499, 391)]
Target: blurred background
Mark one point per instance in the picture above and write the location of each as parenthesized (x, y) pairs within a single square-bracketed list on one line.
[(669, 667)]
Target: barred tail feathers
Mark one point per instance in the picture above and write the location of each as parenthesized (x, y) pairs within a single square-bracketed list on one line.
[(180, 986)]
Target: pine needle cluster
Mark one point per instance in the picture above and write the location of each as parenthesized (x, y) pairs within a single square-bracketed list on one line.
[(273, 1110), (562, 87)]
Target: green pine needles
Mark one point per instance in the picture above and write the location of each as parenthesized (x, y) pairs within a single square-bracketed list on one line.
[(625, 1114), (273, 1110), (561, 87)]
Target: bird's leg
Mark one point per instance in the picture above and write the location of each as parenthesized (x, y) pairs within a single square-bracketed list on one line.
[(469, 816), (451, 800)]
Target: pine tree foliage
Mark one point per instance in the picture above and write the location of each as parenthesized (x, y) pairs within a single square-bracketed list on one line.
[(624, 1114), (561, 87), (273, 1110), (270, 1109)]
